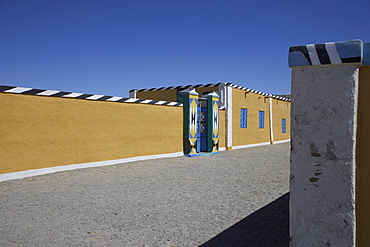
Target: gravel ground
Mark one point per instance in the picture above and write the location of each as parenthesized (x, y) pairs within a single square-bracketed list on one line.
[(235, 198)]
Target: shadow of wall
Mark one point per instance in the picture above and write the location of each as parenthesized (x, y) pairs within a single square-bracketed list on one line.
[(268, 226)]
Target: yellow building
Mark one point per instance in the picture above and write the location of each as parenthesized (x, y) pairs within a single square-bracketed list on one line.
[(247, 117), (56, 131)]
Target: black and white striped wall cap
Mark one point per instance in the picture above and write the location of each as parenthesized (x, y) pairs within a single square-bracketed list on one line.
[(97, 97), (326, 53), (210, 85), (258, 92), (175, 87)]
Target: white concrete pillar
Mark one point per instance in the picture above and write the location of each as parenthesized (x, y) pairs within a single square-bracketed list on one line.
[(271, 122), (221, 93), (323, 137), (133, 94), (229, 117)]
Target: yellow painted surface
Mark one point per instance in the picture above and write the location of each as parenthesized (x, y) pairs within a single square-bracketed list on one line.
[(242, 99), (38, 132), (254, 103), (222, 133), (280, 110), (166, 95), (170, 95), (363, 161)]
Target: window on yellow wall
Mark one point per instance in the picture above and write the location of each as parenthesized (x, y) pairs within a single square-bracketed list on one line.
[(243, 118), (261, 119), (283, 125)]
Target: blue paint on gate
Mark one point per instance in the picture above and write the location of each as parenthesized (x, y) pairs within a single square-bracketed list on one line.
[(198, 132), (203, 129)]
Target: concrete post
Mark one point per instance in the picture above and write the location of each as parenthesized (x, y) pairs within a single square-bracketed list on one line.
[(325, 81), (271, 121), (229, 117), (133, 94)]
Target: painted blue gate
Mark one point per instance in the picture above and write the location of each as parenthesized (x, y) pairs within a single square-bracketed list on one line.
[(203, 129), (200, 121)]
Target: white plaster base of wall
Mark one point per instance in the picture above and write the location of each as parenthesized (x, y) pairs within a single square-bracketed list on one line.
[(259, 144), (42, 171), (255, 145), (252, 145), (282, 141)]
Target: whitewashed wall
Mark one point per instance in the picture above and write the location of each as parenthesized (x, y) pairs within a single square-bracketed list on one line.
[(323, 134)]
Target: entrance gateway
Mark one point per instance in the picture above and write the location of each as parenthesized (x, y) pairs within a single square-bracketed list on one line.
[(201, 122)]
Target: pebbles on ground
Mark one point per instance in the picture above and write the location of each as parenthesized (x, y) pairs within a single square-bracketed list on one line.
[(234, 198)]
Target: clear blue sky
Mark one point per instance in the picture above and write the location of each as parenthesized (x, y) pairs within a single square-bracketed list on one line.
[(111, 46)]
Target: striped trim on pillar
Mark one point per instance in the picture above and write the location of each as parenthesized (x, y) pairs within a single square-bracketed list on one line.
[(327, 53), (97, 97)]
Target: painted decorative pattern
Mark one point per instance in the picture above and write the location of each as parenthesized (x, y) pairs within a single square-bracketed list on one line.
[(215, 131), (327, 53), (193, 118), (97, 97), (210, 85), (215, 120), (193, 125)]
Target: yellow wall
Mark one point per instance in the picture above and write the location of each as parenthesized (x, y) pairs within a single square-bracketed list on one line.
[(222, 124), (242, 99), (170, 95), (166, 95), (254, 103), (363, 161), (38, 132), (280, 110)]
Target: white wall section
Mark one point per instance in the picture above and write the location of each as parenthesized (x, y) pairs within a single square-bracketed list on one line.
[(229, 116), (323, 133), (271, 124), (132, 94)]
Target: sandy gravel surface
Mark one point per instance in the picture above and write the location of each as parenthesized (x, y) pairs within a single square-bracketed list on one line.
[(235, 198)]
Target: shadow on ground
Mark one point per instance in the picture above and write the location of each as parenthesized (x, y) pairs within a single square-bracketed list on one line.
[(269, 226)]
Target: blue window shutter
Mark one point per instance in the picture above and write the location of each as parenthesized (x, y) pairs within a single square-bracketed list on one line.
[(246, 118), (262, 120), (283, 124), (243, 118)]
